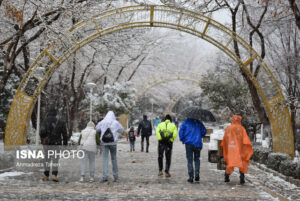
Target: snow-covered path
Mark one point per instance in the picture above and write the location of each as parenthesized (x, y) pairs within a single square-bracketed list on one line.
[(139, 181)]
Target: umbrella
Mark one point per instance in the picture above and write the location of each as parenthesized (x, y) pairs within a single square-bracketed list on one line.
[(198, 113)]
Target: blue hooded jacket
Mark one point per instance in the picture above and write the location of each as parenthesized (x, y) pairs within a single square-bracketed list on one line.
[(191, 132)]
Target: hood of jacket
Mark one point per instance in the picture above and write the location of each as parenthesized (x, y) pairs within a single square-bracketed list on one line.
[(90, 125), (236, 119), (110, 121), (167, 121), (109, 117)]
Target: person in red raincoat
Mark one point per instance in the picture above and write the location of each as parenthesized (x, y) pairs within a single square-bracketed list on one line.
[(237, 148)]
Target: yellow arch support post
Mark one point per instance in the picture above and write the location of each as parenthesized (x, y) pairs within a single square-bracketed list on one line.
[(131, 17)]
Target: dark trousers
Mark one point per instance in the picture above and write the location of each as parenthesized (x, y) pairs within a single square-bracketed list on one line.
[(164, 147), (132, 142), (147, 142), (193, 156), (51, 158)]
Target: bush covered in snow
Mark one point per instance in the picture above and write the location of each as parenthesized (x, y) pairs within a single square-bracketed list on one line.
[(274, 160), (277, 161), (288, 168), (119, 97), (260, 154)]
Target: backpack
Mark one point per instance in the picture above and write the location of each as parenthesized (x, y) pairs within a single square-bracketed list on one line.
[(108, 136), (52, 134), (164, 137), (146, 125), (131, 136)]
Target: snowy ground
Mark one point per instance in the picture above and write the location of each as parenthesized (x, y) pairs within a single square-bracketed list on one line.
[(139, 181)]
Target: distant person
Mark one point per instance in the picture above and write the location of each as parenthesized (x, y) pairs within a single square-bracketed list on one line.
[(156, 122), (191, 133), (53, 135), (131, 136), (166, 133), (145, 130), (88, 141), (237, 149), (109, 128), (176, 122)]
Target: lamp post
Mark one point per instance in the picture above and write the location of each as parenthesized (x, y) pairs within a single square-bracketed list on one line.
[(37, 131), (152, 116), (38, 121), (91, 85)]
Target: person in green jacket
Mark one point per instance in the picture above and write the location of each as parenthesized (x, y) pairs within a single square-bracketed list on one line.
[(166, 133)]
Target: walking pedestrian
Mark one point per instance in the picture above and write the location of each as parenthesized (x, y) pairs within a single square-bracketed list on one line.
[(145, 130), (156, 122), (110, 129), (88, 141), (166, 133), (53, 133), (131, 135), (237, 149), (191, 133)]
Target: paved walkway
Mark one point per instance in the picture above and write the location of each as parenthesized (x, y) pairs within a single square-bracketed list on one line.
[(139, 181)]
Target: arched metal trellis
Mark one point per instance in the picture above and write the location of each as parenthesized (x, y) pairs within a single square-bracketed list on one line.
[(176, 99), (160, 78), (123, 18)]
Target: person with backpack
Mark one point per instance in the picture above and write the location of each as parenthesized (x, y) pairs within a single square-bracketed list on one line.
[(145, 129), (109, 129), (88, 141), (131, 135), (53, 133), (166, 133)]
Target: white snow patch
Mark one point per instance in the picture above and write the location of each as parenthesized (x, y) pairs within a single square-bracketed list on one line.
[(75, 137), (266, 142), (214, 137), (283, 182), (10, 174), (297, 157)]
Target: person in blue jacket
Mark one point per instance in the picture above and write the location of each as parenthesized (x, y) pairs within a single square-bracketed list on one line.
[(191, 133)]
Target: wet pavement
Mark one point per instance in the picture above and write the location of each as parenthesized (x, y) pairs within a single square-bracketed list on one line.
[(138, 180)]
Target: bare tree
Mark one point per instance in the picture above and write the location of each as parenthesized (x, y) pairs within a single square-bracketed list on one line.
[(285, 58)]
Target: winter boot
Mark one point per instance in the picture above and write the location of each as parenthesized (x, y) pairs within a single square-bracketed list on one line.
[(54, 178), (167, 175), (190, 180), (197, 178), (227, 177), (160, 173), (242, 178), (45, 178)]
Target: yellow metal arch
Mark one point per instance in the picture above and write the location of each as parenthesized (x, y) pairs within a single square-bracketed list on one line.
[(174, 101), (165, 77), (148, 16)]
